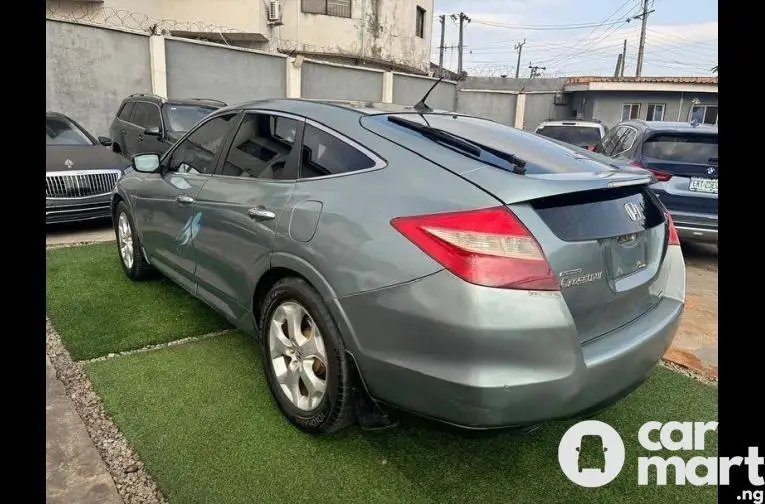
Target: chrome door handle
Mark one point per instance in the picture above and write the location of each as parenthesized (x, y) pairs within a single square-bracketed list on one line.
[(261, 213), (182, 199)]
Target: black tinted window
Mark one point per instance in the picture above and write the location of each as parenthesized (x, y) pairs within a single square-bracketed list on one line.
[(325, 154), (576, 135), (146, 115), (261, 147), (625, 141), (701, 149), (127, 109), (196, 154)]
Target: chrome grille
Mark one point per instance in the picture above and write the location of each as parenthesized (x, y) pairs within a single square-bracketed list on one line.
[(80, 184)]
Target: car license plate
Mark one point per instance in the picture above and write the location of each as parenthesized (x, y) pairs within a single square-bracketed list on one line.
[(627, 254), (703, 185)]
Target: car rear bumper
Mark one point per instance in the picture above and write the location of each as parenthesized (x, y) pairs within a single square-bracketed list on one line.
[(696, 227), (76, 210), (482, 358)]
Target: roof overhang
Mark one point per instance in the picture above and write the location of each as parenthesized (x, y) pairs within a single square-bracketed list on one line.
[(221, 37), (676, 87)]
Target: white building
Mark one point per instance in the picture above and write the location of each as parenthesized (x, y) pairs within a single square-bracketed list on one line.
[(390, 34)]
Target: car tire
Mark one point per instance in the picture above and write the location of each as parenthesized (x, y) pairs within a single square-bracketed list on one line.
[(295, 299), (138, 268)]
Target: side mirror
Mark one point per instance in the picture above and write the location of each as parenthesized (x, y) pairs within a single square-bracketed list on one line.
[(105, 141), (152, 131), (145, 163)]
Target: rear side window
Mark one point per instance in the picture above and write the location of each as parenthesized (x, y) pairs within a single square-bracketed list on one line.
[(576, 135), (146, 115), (699, 149), (325, 154), (126, 110)]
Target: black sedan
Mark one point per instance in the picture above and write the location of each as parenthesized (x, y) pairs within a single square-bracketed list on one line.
[(80, 171)]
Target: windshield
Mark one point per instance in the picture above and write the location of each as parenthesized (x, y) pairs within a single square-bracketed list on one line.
[(575, 135), (61, 131), (184, 117), (698, 149)]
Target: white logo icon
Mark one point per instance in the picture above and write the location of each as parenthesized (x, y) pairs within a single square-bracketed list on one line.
[(595, 438)]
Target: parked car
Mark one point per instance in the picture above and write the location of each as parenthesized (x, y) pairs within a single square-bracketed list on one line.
[(151, 123), (585, 134), (80, 171), (683, 158), (395, 256)]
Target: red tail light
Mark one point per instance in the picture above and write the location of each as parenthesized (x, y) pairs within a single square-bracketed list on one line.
[(673, 239), (660, 175), (488, 247)]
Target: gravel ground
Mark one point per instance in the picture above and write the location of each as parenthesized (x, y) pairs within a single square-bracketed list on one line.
[(688, 372), (134, 484)]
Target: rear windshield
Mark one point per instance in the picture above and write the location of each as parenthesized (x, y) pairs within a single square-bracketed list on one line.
[(699, 149), (542, 156), (61, 131), (183, 117), (576, 135)]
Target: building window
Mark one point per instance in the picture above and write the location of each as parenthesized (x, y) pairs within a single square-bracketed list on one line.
[(630, 111), (420, 22), (337, 8), (704, 114), (655, 112)]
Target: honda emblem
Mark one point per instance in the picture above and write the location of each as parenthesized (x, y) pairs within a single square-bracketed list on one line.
[(634, 212)]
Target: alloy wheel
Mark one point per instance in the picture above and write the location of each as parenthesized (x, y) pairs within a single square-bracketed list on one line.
[(125, 239), (298, 355)]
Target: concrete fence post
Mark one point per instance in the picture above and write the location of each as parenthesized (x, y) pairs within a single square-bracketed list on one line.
[(294, 66), (387, 87), (520, 110), (158, 65)]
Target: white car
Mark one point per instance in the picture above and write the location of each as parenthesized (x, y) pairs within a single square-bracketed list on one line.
[(585, 134)]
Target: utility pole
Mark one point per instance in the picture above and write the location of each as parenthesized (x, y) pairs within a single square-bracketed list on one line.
[(519, 48), (462, 18), (442, 19), (619, 65), (535, 70), (641, 48), (624, 58)]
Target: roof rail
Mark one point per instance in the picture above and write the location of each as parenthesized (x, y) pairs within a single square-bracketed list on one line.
[(209, 100), (150, 95)]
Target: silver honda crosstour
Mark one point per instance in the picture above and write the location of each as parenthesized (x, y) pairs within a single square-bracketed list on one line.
[(394, 258)]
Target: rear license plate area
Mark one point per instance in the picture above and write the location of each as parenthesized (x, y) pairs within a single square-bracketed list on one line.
[(703, 185), (626, 254)]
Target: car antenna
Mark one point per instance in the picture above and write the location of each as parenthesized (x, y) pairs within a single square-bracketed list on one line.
[(421, 106)]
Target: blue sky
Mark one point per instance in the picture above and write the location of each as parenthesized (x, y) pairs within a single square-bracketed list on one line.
[(681, 38)]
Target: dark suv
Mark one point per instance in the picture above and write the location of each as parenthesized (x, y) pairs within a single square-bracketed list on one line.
[(683, 158), (147, 123)]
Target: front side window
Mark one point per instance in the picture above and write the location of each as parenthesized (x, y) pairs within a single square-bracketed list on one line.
[(325, 154), (196, 154), (62, 131), (261, 148), (630, 111), (337, 8), (146, 115)]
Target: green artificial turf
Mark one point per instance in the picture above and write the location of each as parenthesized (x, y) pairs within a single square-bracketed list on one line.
[(97, 310), (201, 417)]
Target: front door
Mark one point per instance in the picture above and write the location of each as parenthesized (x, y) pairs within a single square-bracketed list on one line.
[(165, 205), (146, 115), (241, 207)]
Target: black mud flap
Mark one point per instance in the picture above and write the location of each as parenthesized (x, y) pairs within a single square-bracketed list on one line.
[(371, 415)]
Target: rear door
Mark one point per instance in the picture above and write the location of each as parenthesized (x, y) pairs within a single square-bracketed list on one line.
[(687, 170), (242, 208)]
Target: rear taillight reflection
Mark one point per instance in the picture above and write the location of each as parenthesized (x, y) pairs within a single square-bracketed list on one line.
[(488, 247), (673, 238)]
